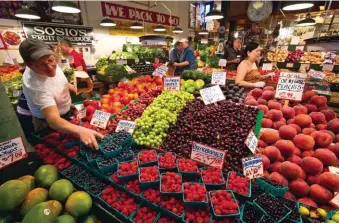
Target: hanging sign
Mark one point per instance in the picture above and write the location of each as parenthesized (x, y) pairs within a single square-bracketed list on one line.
[(172, 83), (208, 155), (12, 151), (316, 74), (127, 126), (222, 63), (251, 142), (160, 71), (212, 94), (100, 119), (267, 66), (290, 88), (218, 77), (253, 167), (52, 33)]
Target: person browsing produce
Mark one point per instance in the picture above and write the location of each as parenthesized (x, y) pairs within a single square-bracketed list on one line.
[(67, 49), (174, 56), (187, 58), (232, 55), (47, 92), (247, 72)]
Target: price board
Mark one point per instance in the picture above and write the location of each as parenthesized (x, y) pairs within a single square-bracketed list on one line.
[(172, 83), (100, 119), (127, 126), (212, 94), (316, 74), (267, 66), (12, 151), (251, 141), (218, 77), (253, 167), (160, 71), (222, 63), (335, 200), (208, 155), (290, 88)]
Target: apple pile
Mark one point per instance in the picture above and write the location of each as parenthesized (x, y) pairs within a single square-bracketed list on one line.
[(299, 144)]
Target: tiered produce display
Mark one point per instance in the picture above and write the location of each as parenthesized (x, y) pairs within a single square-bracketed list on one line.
[(12, 79)]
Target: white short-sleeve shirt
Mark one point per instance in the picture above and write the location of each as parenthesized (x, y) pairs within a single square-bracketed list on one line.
[(42, 91)]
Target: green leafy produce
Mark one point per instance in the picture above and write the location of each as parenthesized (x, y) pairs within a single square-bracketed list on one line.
[(69, 73), (14, 88), (101, 63), (123, 56), (195, 75), (144, 52), (212, 61), (117, 72)]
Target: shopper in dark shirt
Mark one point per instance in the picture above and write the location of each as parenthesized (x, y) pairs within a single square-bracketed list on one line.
[(232, 55), (67, 49), (175, 52), (187, 58)]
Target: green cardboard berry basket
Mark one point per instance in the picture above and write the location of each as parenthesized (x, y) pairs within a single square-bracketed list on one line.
[(242, 210), (148, 163), (172, 169), (149, 203), (277, 192), (111, 153), (212, 186), (135, 212), (171, 214), (194, 204), (149, 183), (163, 214), (216, 216), (175, 194), (107, 169), (187, 174), (249, 184), (128, 177)]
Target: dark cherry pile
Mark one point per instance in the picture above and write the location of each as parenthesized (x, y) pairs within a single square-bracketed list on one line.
[(294, 215), (72, 171), (272, 206), (224, 126), (272, 182), (231, 91), (250, 214)]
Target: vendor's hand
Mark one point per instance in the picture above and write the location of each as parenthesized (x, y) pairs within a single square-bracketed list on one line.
[(272, 74), (259, 84), (88, 137), (72, 88), (175, 64), (237, 60)]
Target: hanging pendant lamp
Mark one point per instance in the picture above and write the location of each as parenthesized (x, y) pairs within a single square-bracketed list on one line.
[(136, 25), (26, 13), (214, 14), (159, 28), (107, 22), (293, 6), (308, 21), (177, 30), (66, 7)]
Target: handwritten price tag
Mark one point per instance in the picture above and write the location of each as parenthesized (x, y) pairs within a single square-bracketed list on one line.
[(11, 151), (316, 74), (335, 200), (251, 142), (267, 66), (304, 67), (127, 126), (290, 88), (160, 71), (333, 169), (328, 67), (207, 155), (212, 95), (218, 78), (222, 62), (172, 83), (253, 167), (100, 119), (293, 75)]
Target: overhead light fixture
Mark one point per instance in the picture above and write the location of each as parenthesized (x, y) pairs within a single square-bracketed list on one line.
[(308, 21), (177, 30), (203, 32), (136, 25), (107, 22), (293, 6), (66, 7), (214, 14), (159, 28), (26, 13)]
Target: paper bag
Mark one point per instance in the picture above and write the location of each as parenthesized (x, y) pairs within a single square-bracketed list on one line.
[(82, 82)]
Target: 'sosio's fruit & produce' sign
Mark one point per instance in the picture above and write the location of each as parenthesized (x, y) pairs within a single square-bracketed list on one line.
[(207, 155), (52, 33)]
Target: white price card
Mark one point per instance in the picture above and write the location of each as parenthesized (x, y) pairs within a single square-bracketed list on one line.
[(12, 151), (304, 67), (251, 141), (300, 48), (9, 60), (222, 62), (335, 200), (218, 77), (328, 67), (208, 155), (81, 113), (293, 75), (121, 62), (290, 88), (127, 126), (316, 74), (295, 40), (333, 169), (289, 65), (172, 83), (267, 66), (100, 119), (253, 167), (160, 71), (322, 92), (212, 94)]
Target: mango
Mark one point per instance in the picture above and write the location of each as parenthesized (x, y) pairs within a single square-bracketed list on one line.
[(79, 203), (304, 211), (65, 219), (45, 212), (61, 190), (12, 193), (90, 219), (34, 197), (29, 181), (46, 175)]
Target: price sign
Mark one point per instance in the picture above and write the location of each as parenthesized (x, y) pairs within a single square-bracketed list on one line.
[(304, 67), (100, 119), (293, 75), (335, 200), (251, 142), (289, 65), (218, 77), (253, 167), (212, 95), (127, 126), (172, 83), (222, 62), (121, 62), (267, 66), (328, 67), (290, 88), (333, 169), (207, 155), (300, 48), (11, 151), (316, 74), (81, 114), (160, 71), (9, 60)]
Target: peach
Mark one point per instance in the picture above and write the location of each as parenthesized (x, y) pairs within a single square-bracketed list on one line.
[(322, 108), (263, 108), (294, 159), (266, 123), (318, 100), (302, 120), (269, 136), (317, 117), (321, 127), (336, 139), (312, 165), (299, 187), (269, 88), (266, 162), (262, 101), (326, 156), (313, 179), (267, 95), (330, 181), (308, 131), (286, 147), (287, 132), (261, 144), (272, 153), (320, 194), (322, 139), (249, 97), (297, 151), (333, 126), (334, 148), (288, 112), (307, 201), (311, 108), (307, 96), (274, 167), (281, 159), (303, 175), (277, 177), (252, 102), (290, 121), (329, 114), (329, 132), (289, 195), (290, 171), (297, 127), (274, 105), (278, 124), (300, 109), (307, 153), (275, 115), (257, 92), (304, 142)]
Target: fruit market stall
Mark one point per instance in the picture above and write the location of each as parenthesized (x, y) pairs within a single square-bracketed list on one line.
[(11, 77)]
